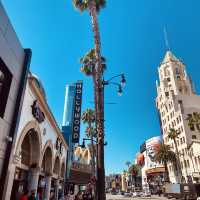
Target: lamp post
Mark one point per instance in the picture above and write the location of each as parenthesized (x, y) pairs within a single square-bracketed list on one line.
[(100, 128)]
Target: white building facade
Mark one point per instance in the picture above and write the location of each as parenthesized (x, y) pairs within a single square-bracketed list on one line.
[(176, 100), (152, 172), (38, 159)]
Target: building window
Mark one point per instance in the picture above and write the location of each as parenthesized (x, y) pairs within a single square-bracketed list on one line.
[(194, 137), (177, 71), (181, 165), (174, 122), (185, 164), (180, 102), (5, 83), (182, 129), (177, 119), (188, 163), (192, 127), (168, 79)]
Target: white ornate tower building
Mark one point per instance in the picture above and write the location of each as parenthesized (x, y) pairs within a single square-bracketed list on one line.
[(176, 100)]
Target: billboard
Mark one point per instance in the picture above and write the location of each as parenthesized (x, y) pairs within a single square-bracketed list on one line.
[(152, 145), (77, 112)]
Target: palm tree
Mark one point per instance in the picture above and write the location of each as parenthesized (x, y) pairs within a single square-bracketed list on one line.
[(94, 7), (134, 170), (88, 117), (173, 135), (128, 163), (165, 155)]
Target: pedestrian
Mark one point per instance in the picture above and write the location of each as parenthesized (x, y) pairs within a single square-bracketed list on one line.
[(33, 195), (39, 194), (89, 194), (71, 195), (24, 195), (52, 195), (85, 196)]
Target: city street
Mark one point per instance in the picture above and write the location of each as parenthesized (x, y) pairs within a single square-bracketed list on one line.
[(120, 197)]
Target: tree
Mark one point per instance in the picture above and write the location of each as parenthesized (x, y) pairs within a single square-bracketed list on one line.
[(134, 170), (194, 120), (94, 7), (173, 135), (165, 155), (128, 163), (88, 117)]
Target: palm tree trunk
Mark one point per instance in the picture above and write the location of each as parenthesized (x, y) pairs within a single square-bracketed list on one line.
[(99, 103), (93, 161), (178, 161), (96, 151), (166, 172)]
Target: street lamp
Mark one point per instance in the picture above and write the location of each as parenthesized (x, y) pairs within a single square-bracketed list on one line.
[(83, 143), (119, 85)]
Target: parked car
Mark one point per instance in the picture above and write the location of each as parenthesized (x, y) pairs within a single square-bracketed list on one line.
[(128, 194), (113, 192), (146, 194), (136, 194)]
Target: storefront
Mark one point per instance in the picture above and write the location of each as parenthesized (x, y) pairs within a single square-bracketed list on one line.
[(80, 176), (39, 154), (155, 179)]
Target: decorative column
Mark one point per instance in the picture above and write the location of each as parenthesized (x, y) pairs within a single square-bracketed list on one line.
[(57, 188), (33, 178), (48, 187)]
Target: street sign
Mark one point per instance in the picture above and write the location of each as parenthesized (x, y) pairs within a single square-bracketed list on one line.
[(77, 113)]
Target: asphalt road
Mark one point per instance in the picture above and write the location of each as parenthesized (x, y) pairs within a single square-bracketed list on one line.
[(120, 197)]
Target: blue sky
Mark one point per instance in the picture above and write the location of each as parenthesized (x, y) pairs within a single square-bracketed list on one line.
[(133, 43)]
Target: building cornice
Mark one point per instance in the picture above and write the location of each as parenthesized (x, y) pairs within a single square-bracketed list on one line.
[(45, 108)]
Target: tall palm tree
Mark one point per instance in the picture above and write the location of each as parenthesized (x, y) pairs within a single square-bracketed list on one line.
[(173, 135), (165, 155), (94, 7)]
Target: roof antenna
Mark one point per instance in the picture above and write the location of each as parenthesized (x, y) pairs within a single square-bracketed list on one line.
[(166, 39)]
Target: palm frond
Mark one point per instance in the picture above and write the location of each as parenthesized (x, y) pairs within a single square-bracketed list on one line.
[(81, 5), (173, 134), (165, 154), (100, 4)]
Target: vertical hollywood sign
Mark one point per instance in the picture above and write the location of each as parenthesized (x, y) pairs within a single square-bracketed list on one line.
[(77, 112)]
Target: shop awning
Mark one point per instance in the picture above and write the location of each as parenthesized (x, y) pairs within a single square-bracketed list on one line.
[(80, 174), (155, 170)]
